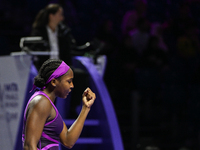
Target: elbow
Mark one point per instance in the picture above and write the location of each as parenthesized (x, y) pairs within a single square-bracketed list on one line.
[(69, 146), (27, 146)]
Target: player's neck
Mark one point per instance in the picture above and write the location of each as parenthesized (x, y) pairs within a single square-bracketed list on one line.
[(50, 94)]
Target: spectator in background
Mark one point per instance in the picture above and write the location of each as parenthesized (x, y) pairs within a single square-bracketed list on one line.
[(132, 50), (140, 36), (157, 31), (48, 25), (154, 56), (130, 18), (130, 24)]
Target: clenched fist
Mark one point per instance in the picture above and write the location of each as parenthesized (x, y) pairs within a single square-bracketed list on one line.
[(88, 97)]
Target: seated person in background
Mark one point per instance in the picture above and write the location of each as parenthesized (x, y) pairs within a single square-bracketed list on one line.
[(57, 37)]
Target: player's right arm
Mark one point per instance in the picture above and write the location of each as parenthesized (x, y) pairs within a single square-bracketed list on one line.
[(37, 115)]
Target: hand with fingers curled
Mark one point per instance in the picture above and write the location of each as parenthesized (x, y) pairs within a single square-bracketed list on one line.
[(88, 97)]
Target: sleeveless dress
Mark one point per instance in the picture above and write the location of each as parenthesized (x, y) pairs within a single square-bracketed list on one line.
[(50, 135)]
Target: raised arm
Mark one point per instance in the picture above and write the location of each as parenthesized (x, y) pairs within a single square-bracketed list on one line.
[(69, 136), (36, 118)]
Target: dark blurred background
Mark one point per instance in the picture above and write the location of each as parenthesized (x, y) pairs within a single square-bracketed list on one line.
[(153, 69)]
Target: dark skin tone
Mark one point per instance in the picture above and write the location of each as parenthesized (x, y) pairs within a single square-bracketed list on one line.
[(40, 110)]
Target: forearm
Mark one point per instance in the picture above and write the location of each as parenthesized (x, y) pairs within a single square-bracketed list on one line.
[(76, 128), (69, 137)]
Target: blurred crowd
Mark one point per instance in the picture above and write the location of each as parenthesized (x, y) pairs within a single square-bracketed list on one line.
[(152, 49)]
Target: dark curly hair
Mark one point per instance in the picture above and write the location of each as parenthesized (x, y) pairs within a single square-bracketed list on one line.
[(47, 68)]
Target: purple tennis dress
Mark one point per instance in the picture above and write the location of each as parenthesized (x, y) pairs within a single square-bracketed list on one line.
[(50, 136)]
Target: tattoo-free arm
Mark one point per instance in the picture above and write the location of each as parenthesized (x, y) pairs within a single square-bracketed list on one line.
[(69, 136), (36, 119)]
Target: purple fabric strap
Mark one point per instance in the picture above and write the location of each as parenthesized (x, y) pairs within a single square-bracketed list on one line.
[(49, 138), (61, 70), (49, 146)]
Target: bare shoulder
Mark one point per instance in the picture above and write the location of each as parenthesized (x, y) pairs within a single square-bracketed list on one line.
[(41, 104)]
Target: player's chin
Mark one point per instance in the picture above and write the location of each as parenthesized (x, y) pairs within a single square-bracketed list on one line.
[(63, 96), (66, 95)]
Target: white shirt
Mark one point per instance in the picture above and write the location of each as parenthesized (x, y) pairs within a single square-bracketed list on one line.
[(53, 41)]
